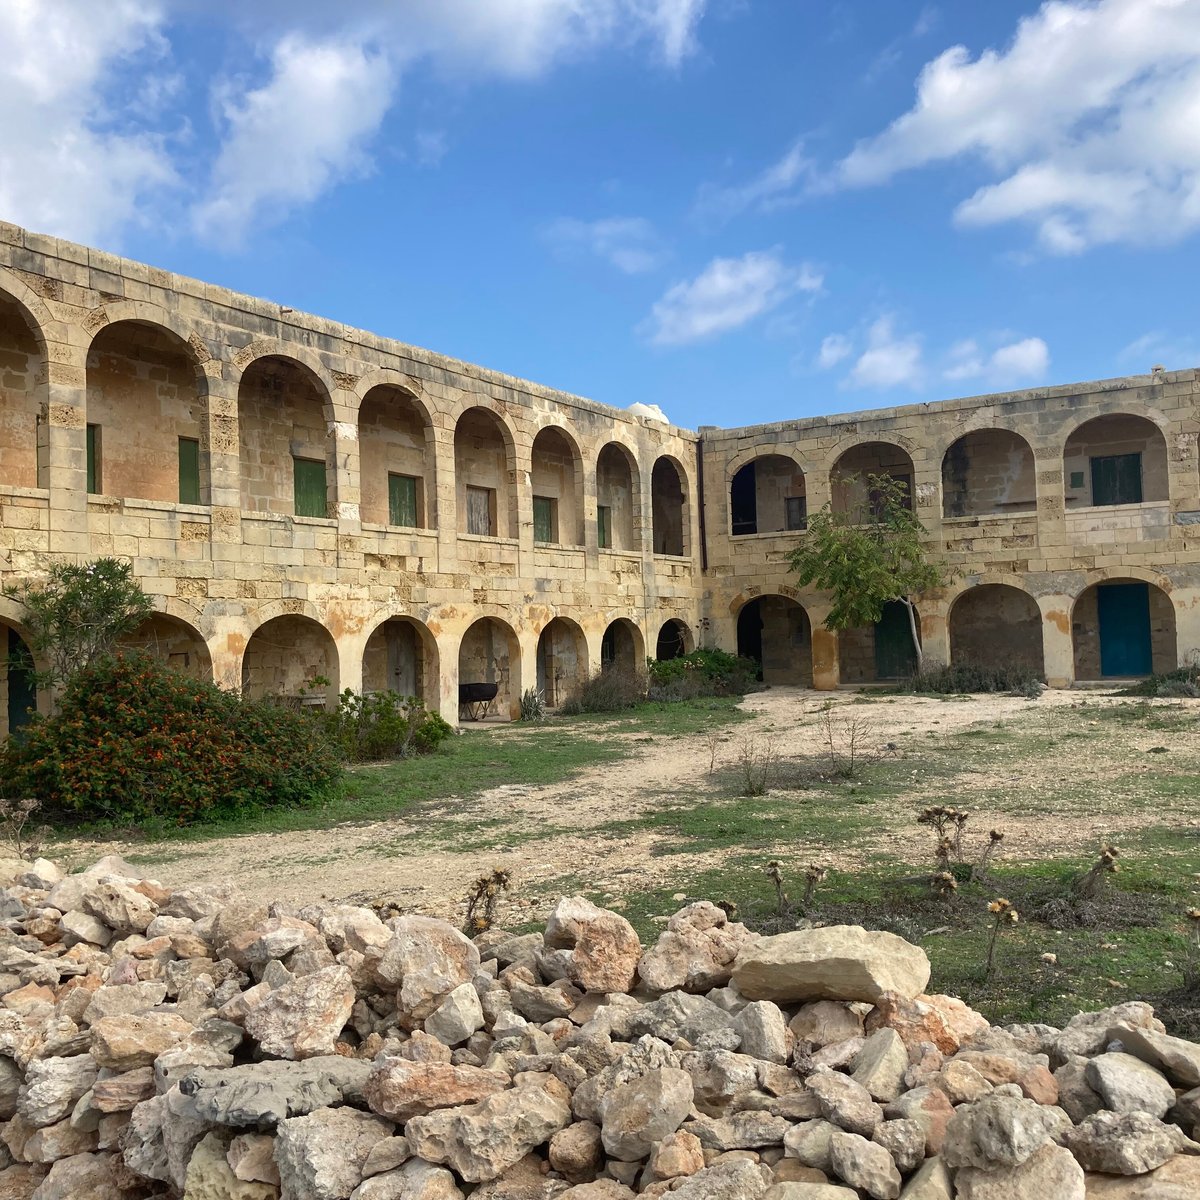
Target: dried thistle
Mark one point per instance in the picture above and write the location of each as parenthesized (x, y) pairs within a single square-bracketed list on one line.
[(944, 884), (483, 899), (1003, 913), (812, 876), (775, 874), (1191, 968), (15, 816), (979, 872), (1089, 885)]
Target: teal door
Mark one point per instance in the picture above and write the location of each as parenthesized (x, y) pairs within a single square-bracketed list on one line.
[(1124, 612), (895, 656), (22, 696)]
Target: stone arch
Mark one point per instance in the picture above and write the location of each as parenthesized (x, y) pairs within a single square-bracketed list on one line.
[(883, 651), (674, 640), (996, 625), (284, 656), (147, 400), (302, 356), (35, 306), (776, 632), (397, 458), (24, 393), (174, 640), (868, 457), (284, 413), (670, 508), (562, 659), (401, 655), (767, 495), (490, 652), (1115, 458), (623, 647), (556, 481), (1123, 625), (987, 472), (619, 491), (484, 473)]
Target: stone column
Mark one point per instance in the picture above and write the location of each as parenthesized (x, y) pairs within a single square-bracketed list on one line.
[(826, 670), (1058, 649)]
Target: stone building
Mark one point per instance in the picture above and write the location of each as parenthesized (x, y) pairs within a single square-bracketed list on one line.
[(307, 501)]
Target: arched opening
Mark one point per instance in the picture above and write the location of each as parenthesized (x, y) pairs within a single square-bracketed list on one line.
[(879, 652), (23, 391), (1116, 459), (767, 496), (284, 440), (287, 657), (674, 640), (1123, 628), (986, 472), (996, 625), (18, 689), (556, 475), (775, 632), (562, 660), (175, 642), (144, 415), (401, 656), (482, 477), (622, 647), (491, 655), (396, 460), (669, 501), (618, 507), (849, 477)]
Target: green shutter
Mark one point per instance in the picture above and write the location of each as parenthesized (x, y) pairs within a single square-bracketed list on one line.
[(93, 462), (189, 471), (543, 519), (402, 501), (603, 526), (308, 481), (1117, 479)]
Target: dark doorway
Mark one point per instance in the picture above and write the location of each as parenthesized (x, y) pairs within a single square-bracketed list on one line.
[(895, 655), (743, 501), (672, 641), (750, 634), (1124, 617), (22, 693)]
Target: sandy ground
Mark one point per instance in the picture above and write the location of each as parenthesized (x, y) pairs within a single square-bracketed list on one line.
[(394, 860)]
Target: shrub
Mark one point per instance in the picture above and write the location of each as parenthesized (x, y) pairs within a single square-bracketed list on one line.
[(370, 726), (965, 677), (614, 689), (533, 705), (1183, 683), (701, 673), (133, 738)]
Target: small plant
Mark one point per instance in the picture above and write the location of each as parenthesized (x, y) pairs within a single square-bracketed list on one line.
[(972, 678), (375, 726), (948, 823), (713, 742), (1191, 961), (813, 875), (979, 872), (15, 815), (1003, 913), (845, 738), (775, 874), (701, 673), (1090, 884), (483, 899), (533, 705), (756, 762), (613, 689), (944, 884)]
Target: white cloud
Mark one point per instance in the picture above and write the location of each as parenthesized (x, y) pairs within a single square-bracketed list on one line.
[(834, 349), (1025, 360), (727, 294), (651, 412), (1090, 120), (630, 244), (780, 184), (1159, 348), (67, 165), (889, 360)]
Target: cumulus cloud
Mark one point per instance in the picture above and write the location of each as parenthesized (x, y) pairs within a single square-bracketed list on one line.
[(651, 412), (68, 165), (1025, 360), (727, 294), (834, 349), (1088, 120), (631, 244), (890, 360)]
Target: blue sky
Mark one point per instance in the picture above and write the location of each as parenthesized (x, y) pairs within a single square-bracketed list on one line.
[(739, 210)]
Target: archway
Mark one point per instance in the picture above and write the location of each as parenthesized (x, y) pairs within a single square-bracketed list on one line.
[(482, 478), (284, 439), (775, 632), (23, 391), (622, 647), (617, 499), (286, 656), (997, 625), (1123, 628), (674, 640), (556, 475), (401, 656), (561, 660), (174, 641), (669, 508), (491, 654), (144, 415), (850, 493), (18, 690), (767, 496), (1115, 459), (879, 652), (986, 472), (396, 474)]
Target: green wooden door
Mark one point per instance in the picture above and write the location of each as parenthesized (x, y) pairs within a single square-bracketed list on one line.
[(1117, 479), (402, 501), (308, 488), (189, 471), (895, 655)]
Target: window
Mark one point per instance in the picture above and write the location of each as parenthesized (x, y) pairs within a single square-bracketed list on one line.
[(402, 500), (1117, 479), (796, 512), (604, 526), (481, 505), (545, 519), (93, 460), (308, 488), (189, 471)]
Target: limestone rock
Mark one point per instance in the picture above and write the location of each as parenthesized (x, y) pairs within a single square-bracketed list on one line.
[(881, 1064), (1050, 1172), (1177, 1059), (742, 1131), (695, 952), (605, 949), (124, 1043), (251, 1157), (864, 1165), (1129, 1085), (639, 1114), (399, 1089), (425, 959), (210, 1177), (1000, 1131), (457, 1017), (931, 1182), (677, 1155), (115, 902), (764, 1031), (1124, 1143), (303, 1018), (415, 1180), (321, 1156), (1087, 1034), (52, 1087), (904, 1140), (810, 1143), (846, 1103), (1178, 1179), (94, 1176), (725, 1181), (826, 1022), (809, 1191), (578, 1151)]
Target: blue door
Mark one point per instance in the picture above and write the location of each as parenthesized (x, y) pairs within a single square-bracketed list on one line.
[(1124, 611)]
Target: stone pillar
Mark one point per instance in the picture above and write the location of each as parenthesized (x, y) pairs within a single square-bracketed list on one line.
[(221, 464), (934, 615), (1058, 649), (63, 467), (826, 670), (444, 502), (343, 460)]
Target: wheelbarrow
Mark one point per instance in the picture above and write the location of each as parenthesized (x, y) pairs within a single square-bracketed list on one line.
[(475, 700)]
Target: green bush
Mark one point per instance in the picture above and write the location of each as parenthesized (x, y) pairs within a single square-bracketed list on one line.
[(371, 726), (1182, 683), (614, 689), (701, 673), (966, 677), (133, 738)]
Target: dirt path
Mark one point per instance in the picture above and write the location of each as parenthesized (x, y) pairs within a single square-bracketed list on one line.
[(394, 859)]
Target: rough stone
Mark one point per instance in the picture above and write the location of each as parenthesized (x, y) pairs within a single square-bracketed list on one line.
[(605, 949), (321, 1156), (844, 1102), (303, 1018), (641, 1113), (864, 1165), (399, 1089), (1129, 1143), (1129, 1085), (695, 952), (1050, 1172), (881, 1064), (425, 959), (210, 1177), (1000, 1131)]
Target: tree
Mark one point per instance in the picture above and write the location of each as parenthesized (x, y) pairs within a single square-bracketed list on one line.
[(868, 557), (78, 613)]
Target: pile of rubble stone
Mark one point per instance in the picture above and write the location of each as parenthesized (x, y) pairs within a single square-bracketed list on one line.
[(186, 1043)]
